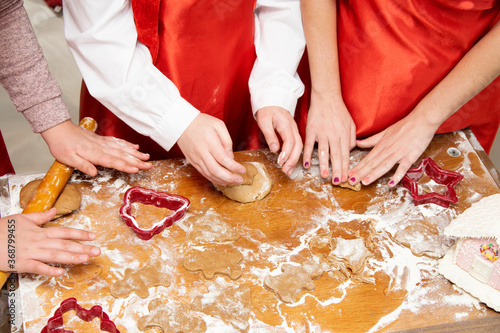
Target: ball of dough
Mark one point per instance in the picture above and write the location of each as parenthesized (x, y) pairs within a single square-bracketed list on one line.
[(256, 185), (68, 201)]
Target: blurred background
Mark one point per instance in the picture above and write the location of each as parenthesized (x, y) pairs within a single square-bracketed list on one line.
[(28, 151)]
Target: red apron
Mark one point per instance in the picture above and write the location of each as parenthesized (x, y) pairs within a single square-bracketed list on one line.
[(392, 53), (206, 48), (5, 164)]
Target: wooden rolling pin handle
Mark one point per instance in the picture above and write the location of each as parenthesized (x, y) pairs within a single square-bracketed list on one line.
[(54, 181)]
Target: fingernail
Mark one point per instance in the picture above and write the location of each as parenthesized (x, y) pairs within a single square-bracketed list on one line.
[(96, 251), (289, 171), (91, 236), (336, 180), (281, 158), (365, 181), (306, 164), (352, 179), (391, 182), (274, 147)]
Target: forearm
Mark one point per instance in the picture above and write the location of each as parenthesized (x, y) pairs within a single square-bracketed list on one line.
[(25, 74), (320, 26), (279, 44), (478, 68)]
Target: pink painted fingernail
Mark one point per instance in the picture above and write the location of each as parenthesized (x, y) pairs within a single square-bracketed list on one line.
[(391, 182), (352, 179), (306, 164), (336, 180)]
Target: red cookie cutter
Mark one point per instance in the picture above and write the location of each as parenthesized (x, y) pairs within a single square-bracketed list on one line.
[(55, 322), (173, 202), (440, 176)]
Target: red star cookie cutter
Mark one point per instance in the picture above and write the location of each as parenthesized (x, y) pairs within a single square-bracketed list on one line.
[(55, 323), (440, 176), (176, 203)]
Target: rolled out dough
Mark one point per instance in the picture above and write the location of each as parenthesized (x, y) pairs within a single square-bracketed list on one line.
[(253, 188), (68, 201)]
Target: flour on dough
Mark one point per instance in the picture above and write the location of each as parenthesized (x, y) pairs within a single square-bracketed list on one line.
[(356, 187), (232, 304), (140, 281), (293, 279), (219, 259), (208, 226), (256, 189), (171, 318), (68, 201)]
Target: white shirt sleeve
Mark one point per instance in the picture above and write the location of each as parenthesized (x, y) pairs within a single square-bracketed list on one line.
[(119, 72), (279, 43)]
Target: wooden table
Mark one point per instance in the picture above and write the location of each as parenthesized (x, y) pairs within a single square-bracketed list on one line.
[(279, 229)]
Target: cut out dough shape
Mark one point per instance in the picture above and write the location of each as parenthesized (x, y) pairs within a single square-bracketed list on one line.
[(258, 189), (139, 282), (293, 280), (350, 252), (423, 239), (230, 304), (209, 227), (356, 187), (68, 201), (221, 259), (171, 319)]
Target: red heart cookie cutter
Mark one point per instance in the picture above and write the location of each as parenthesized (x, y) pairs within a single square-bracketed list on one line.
[(440, 176), (55, 322), (176, 203)]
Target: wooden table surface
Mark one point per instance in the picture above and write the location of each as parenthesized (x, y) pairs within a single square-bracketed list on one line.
[(279, 229)]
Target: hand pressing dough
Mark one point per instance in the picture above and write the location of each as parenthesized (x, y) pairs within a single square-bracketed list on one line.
[(230, 304), (208, 226), (293, 280), (221, 259), (139, 282), (257, 183), (68, 201), (171, 319)]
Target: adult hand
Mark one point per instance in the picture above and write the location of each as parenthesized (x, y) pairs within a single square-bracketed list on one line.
[(206, 144), (273, 120), (402, 143), (330, 124), (36, 246), (82, 149)]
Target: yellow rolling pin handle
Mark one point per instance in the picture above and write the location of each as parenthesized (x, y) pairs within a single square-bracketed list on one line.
[(51, 186)]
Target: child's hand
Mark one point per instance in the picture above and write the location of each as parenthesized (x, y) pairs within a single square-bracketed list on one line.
[(32, 246), (331, 125), (206, 144), (82, 149), (272, 120)]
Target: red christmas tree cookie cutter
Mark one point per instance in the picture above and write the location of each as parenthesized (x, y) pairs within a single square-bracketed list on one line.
[(441, 176), (55, 323), (173, 202)]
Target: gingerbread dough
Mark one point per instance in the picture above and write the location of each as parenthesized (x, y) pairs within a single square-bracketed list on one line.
[(209, 227), (214, 260), (231, 304), (423, 238), (139, 282), (351, 253), (356, 187), (68, 201), (250, 191), (293, 280), (171, 319)]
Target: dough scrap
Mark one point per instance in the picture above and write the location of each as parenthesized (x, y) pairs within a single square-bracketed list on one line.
[(214, 260), (423, 238), (140, 281), (258, 189), (350, 252), (68, 201), (208, 226), (293, 280), (231, 304), (171, 319), (356, 187)]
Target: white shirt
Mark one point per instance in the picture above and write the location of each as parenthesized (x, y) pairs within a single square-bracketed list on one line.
[(119, 72)]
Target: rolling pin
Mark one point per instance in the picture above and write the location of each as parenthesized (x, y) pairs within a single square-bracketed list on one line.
[(51, 186)]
